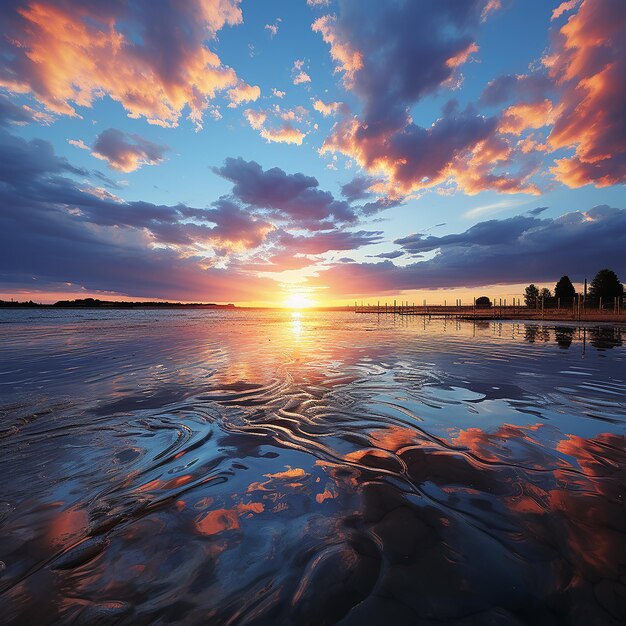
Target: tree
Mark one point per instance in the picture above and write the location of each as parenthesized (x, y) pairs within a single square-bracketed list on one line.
[(545, 293), (483, 302), (564, 289), (606, 285), (531, 296)]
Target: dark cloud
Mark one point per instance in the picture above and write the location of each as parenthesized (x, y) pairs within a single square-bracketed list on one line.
[(388, 255), (492, 232), (393, 55), (11, 113), (517, 88), (518, 249), (325, 242), (538, 211), (127, 152), (358, 188), (293, 196), (23, 161)]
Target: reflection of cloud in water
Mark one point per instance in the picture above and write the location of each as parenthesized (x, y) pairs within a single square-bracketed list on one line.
[(232, 468)]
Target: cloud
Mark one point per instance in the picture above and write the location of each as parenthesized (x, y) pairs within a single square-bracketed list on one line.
[(334, 240), (243, 93), (293, 196), (519, 87), (285, 133), (588, 65), (299, 75), (462, 146), (538, 211), (327, 108), (564, 7), (279, 262), (11, 113), (358, 188), (256, 119), (272, 29), (390, 67), (155, 63), (125, 152), (278, 93), (513, 250), (388, 255), (78, 143), (520, 117)]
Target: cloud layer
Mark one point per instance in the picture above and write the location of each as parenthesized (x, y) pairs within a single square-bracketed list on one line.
[(513, 250)]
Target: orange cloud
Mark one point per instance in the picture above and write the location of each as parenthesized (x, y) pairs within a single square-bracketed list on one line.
[(588, 64), (348, 59), (284, 134), (327, 108), (243, 93), (69, 56), (520, 117)]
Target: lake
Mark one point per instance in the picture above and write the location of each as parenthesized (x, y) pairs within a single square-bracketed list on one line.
[(269, 467)]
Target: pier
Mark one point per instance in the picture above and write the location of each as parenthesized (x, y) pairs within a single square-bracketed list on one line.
[(498, 310)]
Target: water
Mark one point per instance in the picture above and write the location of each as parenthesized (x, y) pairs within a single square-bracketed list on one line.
[(233, 467)]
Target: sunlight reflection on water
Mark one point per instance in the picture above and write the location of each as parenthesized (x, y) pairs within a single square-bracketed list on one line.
[(248, 467)]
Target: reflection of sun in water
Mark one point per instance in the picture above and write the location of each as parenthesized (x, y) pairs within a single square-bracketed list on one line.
[(296, 324), (298, 300)]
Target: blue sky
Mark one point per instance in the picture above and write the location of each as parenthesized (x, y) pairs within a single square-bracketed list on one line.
[(408, 80)]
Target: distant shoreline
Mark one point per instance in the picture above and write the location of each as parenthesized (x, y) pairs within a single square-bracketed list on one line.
[(91, 303)]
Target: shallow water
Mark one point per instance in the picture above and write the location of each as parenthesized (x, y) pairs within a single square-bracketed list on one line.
[(259, 467)]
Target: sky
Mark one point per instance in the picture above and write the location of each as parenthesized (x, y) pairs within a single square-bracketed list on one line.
[(321, 152)]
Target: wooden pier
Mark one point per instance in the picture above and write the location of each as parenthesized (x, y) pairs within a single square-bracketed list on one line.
[(516, 311)]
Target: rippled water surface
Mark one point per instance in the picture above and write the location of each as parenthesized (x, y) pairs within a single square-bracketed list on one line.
[(258, 467)]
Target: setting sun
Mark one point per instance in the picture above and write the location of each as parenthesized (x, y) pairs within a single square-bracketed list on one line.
[(298, 300)]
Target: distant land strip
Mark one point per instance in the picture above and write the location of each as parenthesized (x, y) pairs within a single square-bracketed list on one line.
[(93, 303)]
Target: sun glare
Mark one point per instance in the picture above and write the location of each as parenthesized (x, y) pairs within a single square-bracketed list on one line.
[(298, 300)]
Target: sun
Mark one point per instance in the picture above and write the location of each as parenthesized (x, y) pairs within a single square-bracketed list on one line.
[(298, 300)]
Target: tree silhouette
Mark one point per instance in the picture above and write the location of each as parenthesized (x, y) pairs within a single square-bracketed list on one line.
[(564, 289), (606, 285), (483, 302), (531, 295), (545, 293)]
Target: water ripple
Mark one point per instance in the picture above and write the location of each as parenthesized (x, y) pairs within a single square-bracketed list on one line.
[(258, 467)]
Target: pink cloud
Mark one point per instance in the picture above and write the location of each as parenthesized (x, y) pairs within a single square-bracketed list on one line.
[(564, 7)]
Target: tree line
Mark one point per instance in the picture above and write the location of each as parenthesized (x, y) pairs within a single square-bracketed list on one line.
[(604, 288)]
